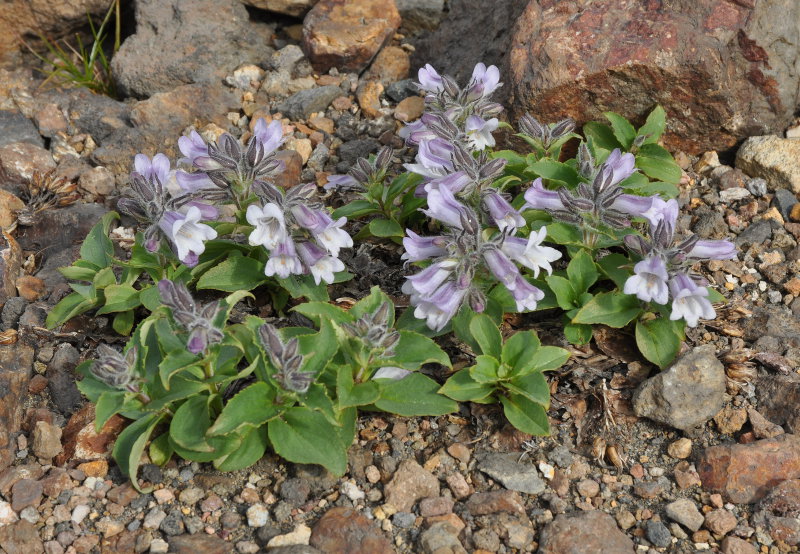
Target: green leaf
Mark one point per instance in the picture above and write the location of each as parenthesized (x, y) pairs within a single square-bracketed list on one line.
[(519, 347), (119, 298), (252, 407), (487, 334), (556, 171), (527, 416), (582, 272), (650, 188), (97, 248), (485, 370), (355, 209), (624, 132), (460, 324), (578, 333), (123, 323), (401, 184), (150, 298), (303, 286), (77, 273), (304, 436), (614, 309), (161, 450), (102, 279), (566, 296), (318, 348), (463, 388), (385, 228), (546, 358), (67, 308), (657, 163), (714, 295), (655, 125), (234, 274), (252, 449), (415, 350), (370, 304), (175, 362), (107, 405), (601, 135), (130, 444), (413, 395), (613, 267), (189, 425), (532, 386), (317, 311), (658, 340), (349, 394)]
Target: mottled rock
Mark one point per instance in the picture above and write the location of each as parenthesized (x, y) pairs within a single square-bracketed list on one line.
[(61, 228), (369, 98), (61, 379), (20, 537), (10, 266), (302, 104), (744, 473), (441, 537), (410, 483), (46, 440), (735, 545), (722, 70), (97, 181), (482, 503), (583, 532), (515, 476), (779, 400), (686, 513), (409, 109), (687, 394), (779, 512), (720, 521), (18, 161), (181, 42), (347, 34), (294, 8), (389, 66), (31, 288), (15, 127), (762, 427), (418, 15), (82, 442), (346, 530), (199, 544), (9, 206), (658, 534), (16, 369), (24, 493), (774, 159)]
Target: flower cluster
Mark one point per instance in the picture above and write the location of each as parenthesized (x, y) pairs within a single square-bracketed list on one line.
[(364, 173), (463, 256), (664, 270), (197, 320), (114, 369), (300, 235), (286, 359)]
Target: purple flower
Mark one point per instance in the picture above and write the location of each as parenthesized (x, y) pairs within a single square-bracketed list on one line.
[(416, 132), (283, 260), (660, 210), (479, 132), (443, 206), (636, 206), (526, 295), (621, 165), (713, 250), (441, 306), (434, 159), (421, 248), (341, 181), (194, 182), (429, 79), (454, 182), (157, 168), (531, 253), (689, 301), (270, 136), (485, 80), (650, 281), (321, 265), (187, 234), (503, 214), (269, 223), (429, 279), (501, 266), (195, 150), (539, 198), (312, 219)]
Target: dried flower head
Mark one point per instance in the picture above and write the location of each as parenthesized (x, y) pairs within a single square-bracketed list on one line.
[(45, 191)]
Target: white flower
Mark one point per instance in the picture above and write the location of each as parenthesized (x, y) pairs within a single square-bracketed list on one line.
[(531, 254), (283, 260), (650, 281), (689, 301), (333, 237), (270, 225), (186, 233), (479, 132)]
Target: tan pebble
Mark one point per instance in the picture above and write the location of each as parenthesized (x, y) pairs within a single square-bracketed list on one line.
[(342, 103), (31, 288), (680, 449), (409, 109)]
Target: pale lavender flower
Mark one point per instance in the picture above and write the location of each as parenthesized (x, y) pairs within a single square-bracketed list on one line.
[(421, 248), (649, 282), (454, 182), (269, 135), (416, 132), (690, 301), (317, 260), (158, 167), (621, 165), (313, 219), (341, 182), (187, 234), (441, 306), (195, 151), (632, 204), (479, 132), (713, 250), (194, 182), (503, 214), (531, 253), (434, 159), (661, 210), (539, 198), (429, 279), (485, 80), (269, 223), (333, 237), (283, 260), (526, 295), (429, 79), (501, 267), (443, 206)]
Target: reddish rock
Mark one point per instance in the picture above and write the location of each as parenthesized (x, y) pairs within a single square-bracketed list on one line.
[(199, 544), (482, 503), (720, 68), (720, 522), (592, 531), (24, 493), (16, 368), (57, 481), (410, 483), (390, 65), (123, 494), (294, 167), (735, 545), (436, 506), (11, 475), (20, 537), (37, 384), (31, 288), (345, 530), (82, 442), (744, 473), (347, 34), (409, 109), (779, 512)]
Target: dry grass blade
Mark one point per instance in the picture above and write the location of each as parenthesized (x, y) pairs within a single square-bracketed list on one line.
[(8, 337)]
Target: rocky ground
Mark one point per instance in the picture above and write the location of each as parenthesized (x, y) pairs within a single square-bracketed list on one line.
[(701, 457)]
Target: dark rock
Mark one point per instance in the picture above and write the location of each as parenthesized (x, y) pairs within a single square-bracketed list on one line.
[(181, 42), (513, 475), (295, 491), (10, 267), (418, 15), (745, 473), (756, 233), (779, 400), (61, 228), (16, 369), (18, 161), (658, 534), (302, 104), (320, 479), (294, 549), (757, 186), (96, 114), (172, 525), (13, 309), (349, 152), (738, 57), (24, 493), (295, 8), (779, 512), (783, 201), (347, 34), (33, 316), (15, 127), (686, 395), (346, 530), (709, 224), (400, 90), (581, 532)]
